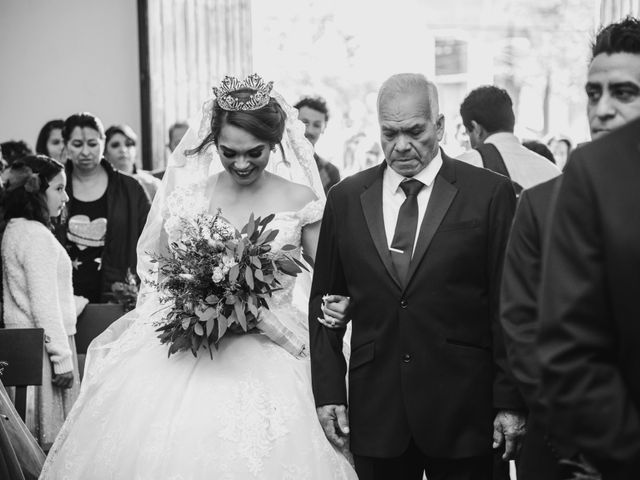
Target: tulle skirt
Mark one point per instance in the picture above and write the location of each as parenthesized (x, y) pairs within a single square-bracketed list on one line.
[(248, 412), (20, 455)]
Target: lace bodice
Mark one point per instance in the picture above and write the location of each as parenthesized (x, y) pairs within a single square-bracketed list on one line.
[(289, 226)]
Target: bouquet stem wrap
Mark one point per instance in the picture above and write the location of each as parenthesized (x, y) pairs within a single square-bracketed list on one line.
[(284, 333)]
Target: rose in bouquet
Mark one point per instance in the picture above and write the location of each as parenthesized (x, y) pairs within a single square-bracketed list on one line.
[(218, 279)]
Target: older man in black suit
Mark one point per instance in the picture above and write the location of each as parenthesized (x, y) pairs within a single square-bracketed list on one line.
[(417, 243)]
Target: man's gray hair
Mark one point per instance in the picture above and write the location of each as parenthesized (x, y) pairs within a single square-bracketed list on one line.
[(404, 82)]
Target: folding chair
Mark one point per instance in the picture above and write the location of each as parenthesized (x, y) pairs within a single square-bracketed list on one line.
[(23, 350)]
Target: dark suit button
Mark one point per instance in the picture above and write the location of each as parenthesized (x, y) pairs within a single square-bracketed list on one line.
[(406, 358), (403, 303)]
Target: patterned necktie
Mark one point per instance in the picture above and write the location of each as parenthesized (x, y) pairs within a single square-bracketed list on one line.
[(405, 234)]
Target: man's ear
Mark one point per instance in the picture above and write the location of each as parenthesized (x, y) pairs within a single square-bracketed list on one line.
[(440, 126), (478, 130)]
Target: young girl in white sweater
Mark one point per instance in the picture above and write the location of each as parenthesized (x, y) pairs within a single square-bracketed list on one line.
[(37, 285)]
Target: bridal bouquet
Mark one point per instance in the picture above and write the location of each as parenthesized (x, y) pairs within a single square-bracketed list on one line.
[(217, 279)]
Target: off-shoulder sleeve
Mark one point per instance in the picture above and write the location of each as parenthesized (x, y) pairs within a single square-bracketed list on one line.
[(311, 212)]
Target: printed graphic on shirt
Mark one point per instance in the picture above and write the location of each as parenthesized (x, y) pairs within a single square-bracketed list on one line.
[(87, 233)]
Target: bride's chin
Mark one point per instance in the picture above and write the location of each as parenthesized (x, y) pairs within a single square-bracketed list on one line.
[(246, 179)]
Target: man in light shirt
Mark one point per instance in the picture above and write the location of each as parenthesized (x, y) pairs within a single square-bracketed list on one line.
[(487, 114)]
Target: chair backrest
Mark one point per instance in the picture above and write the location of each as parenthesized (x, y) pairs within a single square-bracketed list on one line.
[(94, 320), (23, 350)]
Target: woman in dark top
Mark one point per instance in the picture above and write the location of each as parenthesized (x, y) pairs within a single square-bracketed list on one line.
[(120, 151), (105, 214), (50, 142)]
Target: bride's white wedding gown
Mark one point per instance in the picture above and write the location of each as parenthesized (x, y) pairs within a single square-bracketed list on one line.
[(247, 413)]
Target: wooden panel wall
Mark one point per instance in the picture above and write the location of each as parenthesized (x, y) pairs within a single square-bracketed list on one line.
[(192, 44)]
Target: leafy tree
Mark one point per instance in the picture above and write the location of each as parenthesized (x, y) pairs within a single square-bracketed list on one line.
[(547, 44)]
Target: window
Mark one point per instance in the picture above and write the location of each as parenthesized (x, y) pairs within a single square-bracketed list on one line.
[(451, 56)]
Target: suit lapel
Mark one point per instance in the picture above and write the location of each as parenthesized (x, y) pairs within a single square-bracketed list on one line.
[(371, 200), (440, 200)]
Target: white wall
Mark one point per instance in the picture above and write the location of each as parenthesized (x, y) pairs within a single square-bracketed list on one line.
[(59, 57)]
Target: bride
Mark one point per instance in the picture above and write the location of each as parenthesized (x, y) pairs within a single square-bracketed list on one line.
[(248, 412)]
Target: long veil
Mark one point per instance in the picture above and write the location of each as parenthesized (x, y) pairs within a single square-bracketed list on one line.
[(183, 193)]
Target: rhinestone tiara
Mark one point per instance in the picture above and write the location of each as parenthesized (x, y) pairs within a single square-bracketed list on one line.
[(256, 100)]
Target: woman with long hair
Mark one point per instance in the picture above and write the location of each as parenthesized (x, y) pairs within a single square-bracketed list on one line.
[(37, 288), (50, 142), (121, 149)]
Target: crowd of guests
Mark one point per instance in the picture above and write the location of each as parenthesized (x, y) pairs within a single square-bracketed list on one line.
[(69, 231), (72, 213)]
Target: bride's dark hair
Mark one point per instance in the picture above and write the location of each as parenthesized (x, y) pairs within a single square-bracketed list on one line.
[(266, 123)]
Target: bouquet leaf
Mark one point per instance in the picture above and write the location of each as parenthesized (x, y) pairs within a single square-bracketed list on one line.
[(240, 249), (209, 326), (309, 260), (198, 329), (248, 276), (288, 266), (242, 319), (233, 274), (268, 236)]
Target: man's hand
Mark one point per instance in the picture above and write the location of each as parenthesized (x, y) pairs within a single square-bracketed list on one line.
[(335, 424), (334, 310), (509, 428)]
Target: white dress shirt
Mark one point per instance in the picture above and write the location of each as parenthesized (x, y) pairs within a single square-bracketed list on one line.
[(525, 167), (393, 196)]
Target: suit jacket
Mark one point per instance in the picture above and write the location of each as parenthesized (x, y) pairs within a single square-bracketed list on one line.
[(427, 359), (519, 317), (590, 309), (329, 173), (521, 283)]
